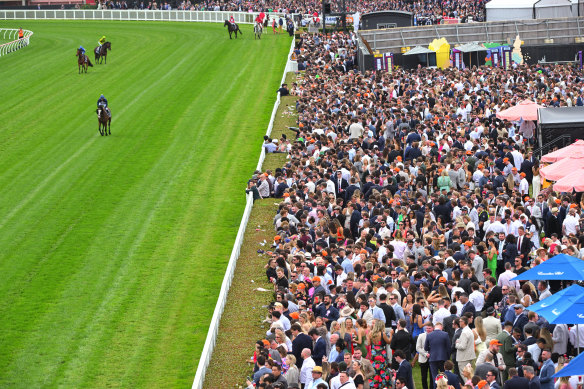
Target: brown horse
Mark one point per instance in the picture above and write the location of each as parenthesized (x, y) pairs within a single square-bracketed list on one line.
[(101, 52), (83, 61), (104, 119)]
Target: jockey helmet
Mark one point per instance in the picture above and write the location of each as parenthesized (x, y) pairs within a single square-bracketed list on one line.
[(102, 97)]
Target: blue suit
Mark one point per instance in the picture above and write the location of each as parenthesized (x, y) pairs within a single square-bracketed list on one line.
[(545, 375), (405, 370), (453, 379), (319, 351), (438, 345)]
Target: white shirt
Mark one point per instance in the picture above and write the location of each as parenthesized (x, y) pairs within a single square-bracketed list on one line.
[(477, 299), (570, 224), (440, 314), (505, 280), (306, 371)]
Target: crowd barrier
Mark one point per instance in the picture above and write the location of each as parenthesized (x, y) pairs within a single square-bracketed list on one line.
[(132, 14), (222, 299), (14, 43)]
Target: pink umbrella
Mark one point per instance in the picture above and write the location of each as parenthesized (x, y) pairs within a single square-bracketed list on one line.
[(576, 147), (526, 110), (563, 167), (570, 182)]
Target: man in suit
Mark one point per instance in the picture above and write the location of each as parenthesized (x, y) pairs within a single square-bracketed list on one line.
[(533, 379), (401, 340), (492, 324), (423, 357), (521, 318), (492, 381), (523, 245), (438, 345), (366, 366), (340, 185), (464, 345), (452, 378), (404, 369), (300, 342), (448, 321), (319, 346), (547, 370), (508, 348), (495, 294), (516, 382), (467, 306)]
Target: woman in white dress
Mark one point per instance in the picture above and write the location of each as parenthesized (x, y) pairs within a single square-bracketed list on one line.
[(536, 182)]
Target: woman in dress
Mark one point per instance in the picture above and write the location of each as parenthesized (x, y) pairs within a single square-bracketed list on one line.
[(536, 181), (359, 377), (480, 335), (360, 336), (378, 340), (492, 256)]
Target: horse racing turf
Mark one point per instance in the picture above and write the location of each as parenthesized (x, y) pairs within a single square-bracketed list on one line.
[(112, 249)]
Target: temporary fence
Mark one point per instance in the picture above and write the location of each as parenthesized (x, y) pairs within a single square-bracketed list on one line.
[(14, 43), (134, 14), (222, 299)]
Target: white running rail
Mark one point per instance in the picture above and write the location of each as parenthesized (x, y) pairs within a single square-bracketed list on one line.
[(214, 325), (133, 14), (14, 43)]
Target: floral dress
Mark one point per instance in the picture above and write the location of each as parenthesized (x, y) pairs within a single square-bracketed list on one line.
[(382, 376)]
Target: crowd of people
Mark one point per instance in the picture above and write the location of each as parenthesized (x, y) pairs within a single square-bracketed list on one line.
[(406, 210), (425, 12)]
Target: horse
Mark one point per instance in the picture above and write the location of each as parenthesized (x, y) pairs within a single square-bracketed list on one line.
[(104, 120), (257, 30), (232, 27), (82, 61), (101, 52)]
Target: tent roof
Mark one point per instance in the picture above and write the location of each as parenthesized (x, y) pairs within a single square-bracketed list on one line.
[(553, 3), (563, 117), (419, 50), (514, 4), (470, 47)]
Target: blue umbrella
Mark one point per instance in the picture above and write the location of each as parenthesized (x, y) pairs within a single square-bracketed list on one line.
[(546, 307), (575, 367), (560, 267)]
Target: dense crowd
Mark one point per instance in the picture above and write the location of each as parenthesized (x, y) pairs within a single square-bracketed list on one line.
[(425, 12), (406, 210)]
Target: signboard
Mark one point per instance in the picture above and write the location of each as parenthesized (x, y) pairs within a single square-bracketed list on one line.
[(457, 59), (580, 59), (506, 57), (388, 62), (496, 57)]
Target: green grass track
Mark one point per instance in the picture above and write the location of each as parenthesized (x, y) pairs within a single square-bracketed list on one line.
[(113, 249)]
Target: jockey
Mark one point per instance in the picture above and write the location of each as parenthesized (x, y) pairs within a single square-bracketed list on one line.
[(20, 33), (101, 41), (82, 50), (102, 103), (259, 20), (231, 19)]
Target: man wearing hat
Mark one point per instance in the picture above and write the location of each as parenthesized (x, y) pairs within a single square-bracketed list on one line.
[(497, 357), (492, 324), (316, 378), (521, 318)]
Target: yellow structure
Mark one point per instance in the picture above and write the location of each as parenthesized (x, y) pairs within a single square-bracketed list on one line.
[(442, 49)]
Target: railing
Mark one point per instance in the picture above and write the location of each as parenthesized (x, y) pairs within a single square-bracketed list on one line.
[(222, 299), (559, 142), (15, 43), (133, 14), (532, 32)]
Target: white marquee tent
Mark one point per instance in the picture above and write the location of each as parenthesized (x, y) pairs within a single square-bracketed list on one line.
[(529, 9)]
